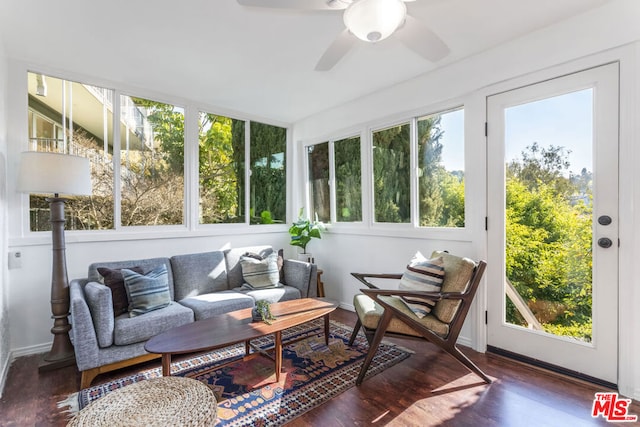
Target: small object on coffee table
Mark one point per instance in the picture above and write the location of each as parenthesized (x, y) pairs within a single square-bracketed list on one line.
[(262, 312), (164, 401)]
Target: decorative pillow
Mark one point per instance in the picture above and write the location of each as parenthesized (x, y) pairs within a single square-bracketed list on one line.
[(147, 292), (422, 275), (112, 278), (260, 273), (281, 264)]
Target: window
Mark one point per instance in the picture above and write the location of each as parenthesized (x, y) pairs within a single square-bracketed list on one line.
[(348, 176), (73, 118), (267, 149), (318, 164), (392, 174), (221, 169), (441, 169), (151, 162)]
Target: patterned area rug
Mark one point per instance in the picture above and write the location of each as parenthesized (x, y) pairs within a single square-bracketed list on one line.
[(246, 391)]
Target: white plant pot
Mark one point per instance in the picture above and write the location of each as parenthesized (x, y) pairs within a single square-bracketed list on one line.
[(306, 257)]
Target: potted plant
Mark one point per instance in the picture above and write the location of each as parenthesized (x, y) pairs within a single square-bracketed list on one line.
[(302, 231), (262, 312)]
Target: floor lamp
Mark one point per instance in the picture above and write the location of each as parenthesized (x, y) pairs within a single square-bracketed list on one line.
[(53, 173)]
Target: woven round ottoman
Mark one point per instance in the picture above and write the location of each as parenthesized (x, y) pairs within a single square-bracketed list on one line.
[(165, 401)]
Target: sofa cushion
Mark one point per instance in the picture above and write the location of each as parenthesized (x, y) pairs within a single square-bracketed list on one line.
[(99, 300), (112, 278), (422, 274), (207, 305), (260, 273), (282, 293), (146, 292), (147, 264), (197, 274), (232, 259), (130, 330)]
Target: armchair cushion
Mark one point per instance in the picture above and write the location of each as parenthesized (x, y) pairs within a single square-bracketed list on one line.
[(369, 312), (459, 272), (422, 274), (98, 298), (146, 292)]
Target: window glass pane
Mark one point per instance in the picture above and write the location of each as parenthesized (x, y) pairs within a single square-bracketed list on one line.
[(348, 180), (441, 169), (73, 118), (391, 174), (268, 173), (318, 164), (152, 162), (221, 169)]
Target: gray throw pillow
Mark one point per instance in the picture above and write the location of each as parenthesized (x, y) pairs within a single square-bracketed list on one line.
[(112, 278), (147, 292), (262, 273)]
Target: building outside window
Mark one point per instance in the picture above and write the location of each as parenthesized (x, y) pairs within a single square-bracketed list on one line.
[(73, 118)]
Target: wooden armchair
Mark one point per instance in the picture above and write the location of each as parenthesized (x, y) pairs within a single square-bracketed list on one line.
[(382, 312)]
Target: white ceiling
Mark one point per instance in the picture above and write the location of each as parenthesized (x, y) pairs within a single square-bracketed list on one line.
[(257, 61)]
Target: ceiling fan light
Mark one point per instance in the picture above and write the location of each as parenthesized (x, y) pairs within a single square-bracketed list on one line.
[(374, 20)]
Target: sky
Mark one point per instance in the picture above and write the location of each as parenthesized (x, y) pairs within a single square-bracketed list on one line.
[(565, 120)]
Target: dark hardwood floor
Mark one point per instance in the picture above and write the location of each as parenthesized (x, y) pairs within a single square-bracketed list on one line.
[(427, 389)]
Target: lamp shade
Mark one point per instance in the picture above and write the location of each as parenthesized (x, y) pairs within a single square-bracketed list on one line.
[(374, 20), (54, 173)]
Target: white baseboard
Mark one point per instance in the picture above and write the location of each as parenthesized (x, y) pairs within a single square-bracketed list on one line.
[(14, 354), (27, 351), (347, 307), (4, 372)]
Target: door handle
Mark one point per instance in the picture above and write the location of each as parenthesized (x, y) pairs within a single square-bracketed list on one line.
[(604, 242)]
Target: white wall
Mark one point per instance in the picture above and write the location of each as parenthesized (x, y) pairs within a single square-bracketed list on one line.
[(4, 319), (581, 42)]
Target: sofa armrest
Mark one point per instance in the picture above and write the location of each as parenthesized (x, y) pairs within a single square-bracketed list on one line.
[(301, 275), (82, 332)]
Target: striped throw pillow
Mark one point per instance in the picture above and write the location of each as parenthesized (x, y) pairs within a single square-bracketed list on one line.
[(422, 274), (260, 273), (147, 292)]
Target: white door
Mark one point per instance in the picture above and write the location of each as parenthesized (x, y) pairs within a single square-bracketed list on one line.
[(553, 222)]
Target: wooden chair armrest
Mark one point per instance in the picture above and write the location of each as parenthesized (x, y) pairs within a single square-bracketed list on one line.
[(362, 277), (436, 296)]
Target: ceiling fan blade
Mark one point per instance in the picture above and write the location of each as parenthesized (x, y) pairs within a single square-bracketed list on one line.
[(334, 53), (417, 37), (298, 4)]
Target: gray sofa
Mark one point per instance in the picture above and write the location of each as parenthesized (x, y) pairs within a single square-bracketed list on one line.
[(201, 285)]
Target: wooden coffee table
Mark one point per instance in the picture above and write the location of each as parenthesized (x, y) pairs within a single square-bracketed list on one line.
[(237, 326)]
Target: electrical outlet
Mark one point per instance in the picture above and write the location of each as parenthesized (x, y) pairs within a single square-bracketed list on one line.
[(15, 259)]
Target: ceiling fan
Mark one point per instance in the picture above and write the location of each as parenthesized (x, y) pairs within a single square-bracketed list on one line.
[(370, 21)]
